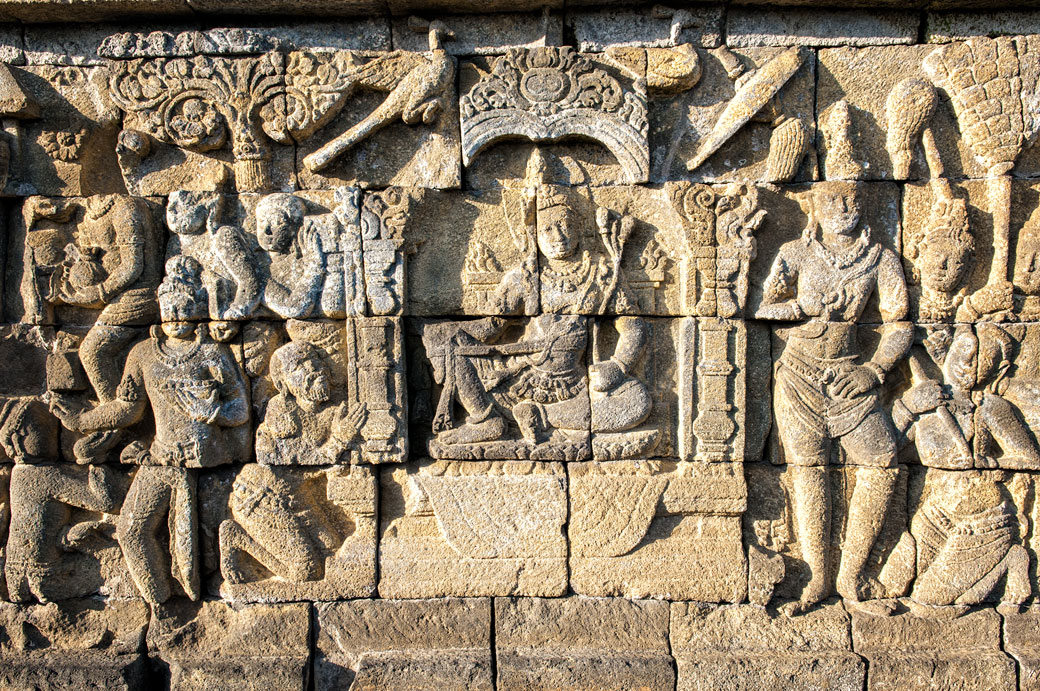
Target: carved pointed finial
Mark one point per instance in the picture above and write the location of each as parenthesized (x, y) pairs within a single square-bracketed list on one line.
[(536, 173)]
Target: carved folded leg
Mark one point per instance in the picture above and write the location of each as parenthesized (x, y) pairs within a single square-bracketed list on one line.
[(811, 508), (1015, 566), (483, 421), (99, 355), (867, 510), (293, 558)]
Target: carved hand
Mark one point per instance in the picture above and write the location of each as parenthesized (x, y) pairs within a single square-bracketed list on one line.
[(924, 397), (854, 382), (198, 408), (995, 297), (65, 410)]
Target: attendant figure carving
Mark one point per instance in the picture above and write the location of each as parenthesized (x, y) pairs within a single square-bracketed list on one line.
[(42, 534), (305, 269), (197, 394), (304, 421), (967, 534), (229, 274), (826, 388)]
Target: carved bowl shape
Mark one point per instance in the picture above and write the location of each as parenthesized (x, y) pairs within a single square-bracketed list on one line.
[(194, 123), (544, 84)]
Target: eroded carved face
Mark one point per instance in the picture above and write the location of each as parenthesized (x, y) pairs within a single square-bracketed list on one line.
[(556, 238), (274, 232), (184, 216), (180, 329), (943, 265), (837, 207), (962, 361), (278, 219), (305, 374), (177, 305), (1027, 271)]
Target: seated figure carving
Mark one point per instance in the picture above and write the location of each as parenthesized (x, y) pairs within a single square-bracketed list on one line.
[(268, 525), (537, 382), (966, 416), (620, 401)]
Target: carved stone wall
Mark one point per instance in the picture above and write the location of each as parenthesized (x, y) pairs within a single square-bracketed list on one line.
[(562, 348)]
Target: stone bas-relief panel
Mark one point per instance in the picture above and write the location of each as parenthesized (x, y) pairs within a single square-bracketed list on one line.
[(199, 122), (718, 363), (327, 392), (748, 119), (542, 388)]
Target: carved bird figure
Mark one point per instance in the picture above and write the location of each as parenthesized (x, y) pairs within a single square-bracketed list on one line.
[(416, 85)]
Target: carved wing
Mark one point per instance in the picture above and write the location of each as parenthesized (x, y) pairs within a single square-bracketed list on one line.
[(318, 85), (385, 72)]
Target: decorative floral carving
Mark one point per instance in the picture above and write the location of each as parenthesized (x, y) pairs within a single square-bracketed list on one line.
[(63, 145), (548, 93), (201, 102)]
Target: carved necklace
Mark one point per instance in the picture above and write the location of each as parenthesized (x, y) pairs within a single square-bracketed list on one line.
[(173, 358), (845, 258), (571, 275)]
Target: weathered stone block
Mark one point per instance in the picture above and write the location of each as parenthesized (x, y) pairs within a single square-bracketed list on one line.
[(657, 529), (582, 643), (1021, 633), (375, 120), (70, 148), (485, 34), (598, 30), (748, 647), (379, 644), (746, 27), (203, 645), (75, 644), (464, 528), (910, 652)]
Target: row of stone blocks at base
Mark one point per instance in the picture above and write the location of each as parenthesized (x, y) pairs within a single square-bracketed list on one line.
[(478, 644)]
